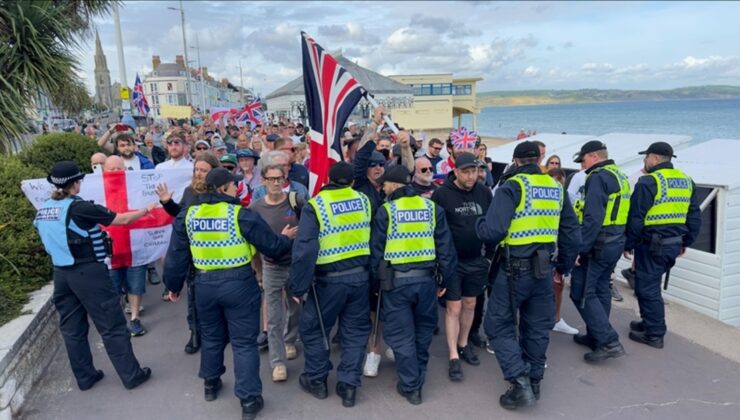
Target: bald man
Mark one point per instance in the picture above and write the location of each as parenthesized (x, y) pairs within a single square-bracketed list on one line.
[(97, 161), (114, 163)]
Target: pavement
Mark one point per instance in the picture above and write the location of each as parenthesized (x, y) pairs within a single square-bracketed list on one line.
[(688, 379)]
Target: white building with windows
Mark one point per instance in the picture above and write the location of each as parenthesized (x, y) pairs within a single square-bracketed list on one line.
[(167, 85)]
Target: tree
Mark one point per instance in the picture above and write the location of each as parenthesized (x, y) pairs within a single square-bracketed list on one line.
[(38, 45)]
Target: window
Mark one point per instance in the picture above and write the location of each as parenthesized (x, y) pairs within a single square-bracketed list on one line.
[(707, 239), (169, 87), (463, 90), (432, 89), (153, 87)]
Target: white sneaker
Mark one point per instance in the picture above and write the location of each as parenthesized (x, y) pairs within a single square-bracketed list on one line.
[(563, 327), (390, 355), (372, 362)]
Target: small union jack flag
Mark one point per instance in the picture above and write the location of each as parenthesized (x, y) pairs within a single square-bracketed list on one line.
[(463, 139), (251, 113), (139, 98)]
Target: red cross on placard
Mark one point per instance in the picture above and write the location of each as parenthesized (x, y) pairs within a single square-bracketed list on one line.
[(116, 199)]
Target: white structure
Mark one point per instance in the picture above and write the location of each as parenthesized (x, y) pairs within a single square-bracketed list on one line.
[(166, 85), (707, 277), (553, 141)]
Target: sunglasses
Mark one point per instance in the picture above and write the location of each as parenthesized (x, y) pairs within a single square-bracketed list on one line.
[(274, 179), (425, 170), (374, 164), (228, 167), (201, 148)]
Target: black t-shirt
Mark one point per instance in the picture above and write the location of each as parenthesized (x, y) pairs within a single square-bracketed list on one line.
[(86, 215)]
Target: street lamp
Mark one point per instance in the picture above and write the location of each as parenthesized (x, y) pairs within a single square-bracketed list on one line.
[(185, 52), (200, 71)]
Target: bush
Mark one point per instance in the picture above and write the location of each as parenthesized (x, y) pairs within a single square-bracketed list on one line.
[(24, 265), (53, 147)]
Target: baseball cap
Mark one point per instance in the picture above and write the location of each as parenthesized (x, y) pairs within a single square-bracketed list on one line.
[(589, 147), (340, 173), (526, 149), (659, 148), (219, 177), (377, 157), (202, 142), (217, 143), (466, 160), (272, 137), (229, 158), (247, 153), (396, 173)]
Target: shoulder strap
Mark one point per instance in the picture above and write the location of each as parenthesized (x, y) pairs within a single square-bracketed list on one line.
[(293, 201)]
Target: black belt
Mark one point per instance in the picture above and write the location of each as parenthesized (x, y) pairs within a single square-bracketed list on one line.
[(604, 239), (414, 273), (521, 264), (330, 274)]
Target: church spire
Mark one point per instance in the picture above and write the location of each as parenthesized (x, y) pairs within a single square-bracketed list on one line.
[(99, 56)]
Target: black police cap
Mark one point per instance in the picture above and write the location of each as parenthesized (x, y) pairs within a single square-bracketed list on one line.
[(526, 149), (340, 173), (589, 147), (659, 148), (64, 173), (219, 177), (396, 173)]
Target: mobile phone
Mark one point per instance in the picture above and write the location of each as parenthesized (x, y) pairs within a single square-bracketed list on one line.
[(97, 168)]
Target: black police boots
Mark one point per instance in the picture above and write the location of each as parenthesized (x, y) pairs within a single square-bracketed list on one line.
[(251, 406), (518, 395), (143, 376), (317, 388), (642, 337), (638, 326), (585, 340), (347, 393), (609, 351), (414, 397), (535, 388), (193, 344), (211, 388)]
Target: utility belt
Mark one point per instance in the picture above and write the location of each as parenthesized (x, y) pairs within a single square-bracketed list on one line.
[(602, 241), (540, 264), (657, 242), (336, 276), (107, 243), (391, 278)]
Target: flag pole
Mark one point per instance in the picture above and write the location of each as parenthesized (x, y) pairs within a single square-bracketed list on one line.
[(386, 117)]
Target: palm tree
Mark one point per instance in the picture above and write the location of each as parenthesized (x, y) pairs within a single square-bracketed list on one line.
[(38, 44)]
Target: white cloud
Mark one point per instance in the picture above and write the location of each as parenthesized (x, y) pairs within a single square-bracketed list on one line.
[(531, 71), (597, 68)]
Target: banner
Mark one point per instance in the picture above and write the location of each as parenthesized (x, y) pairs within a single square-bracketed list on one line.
[(143, 241), (174, 111)]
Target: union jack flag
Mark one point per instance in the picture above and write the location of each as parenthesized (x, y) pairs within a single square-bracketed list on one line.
[(463, 139), (139, 98), (331, 95), (251, 113)]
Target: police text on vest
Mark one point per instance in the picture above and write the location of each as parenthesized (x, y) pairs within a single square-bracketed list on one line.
[(210, 225), (545, 193), (410, 216), (346, 206)]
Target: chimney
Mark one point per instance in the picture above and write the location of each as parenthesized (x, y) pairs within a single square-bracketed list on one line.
[(179, 60), (156, 62)]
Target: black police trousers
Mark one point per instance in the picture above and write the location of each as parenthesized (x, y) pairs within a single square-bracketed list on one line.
[(86, 289)]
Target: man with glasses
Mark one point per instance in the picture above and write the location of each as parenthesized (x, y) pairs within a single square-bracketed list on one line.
[(435, 148), (279, 157), (298, 173), (423, 177), (201, 146), (176, 149)]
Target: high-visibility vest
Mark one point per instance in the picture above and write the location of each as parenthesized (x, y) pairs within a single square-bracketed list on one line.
[(344, 224), (216, 242), (54, 224), (410, 235), (672, 198), (537, 216), (620, 199)]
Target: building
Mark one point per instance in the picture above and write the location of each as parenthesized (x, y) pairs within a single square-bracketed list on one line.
[(439, 99), (167, 85), (290, 101), (103, 91)]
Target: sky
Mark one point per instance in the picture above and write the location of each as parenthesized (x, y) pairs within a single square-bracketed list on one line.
[(511, 45)]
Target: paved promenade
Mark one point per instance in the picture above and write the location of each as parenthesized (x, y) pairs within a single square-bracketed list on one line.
[(684, 381)]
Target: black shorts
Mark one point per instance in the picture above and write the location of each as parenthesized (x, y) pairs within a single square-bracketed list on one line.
[(470, 279)]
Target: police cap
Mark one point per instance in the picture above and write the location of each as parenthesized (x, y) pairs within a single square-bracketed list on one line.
[(340, 173), (219, 177), (659, 148), (526, 149), (589, 147), (396, 173), (64, 173)]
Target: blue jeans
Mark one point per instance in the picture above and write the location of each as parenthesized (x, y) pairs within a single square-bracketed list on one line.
[(131, 280)]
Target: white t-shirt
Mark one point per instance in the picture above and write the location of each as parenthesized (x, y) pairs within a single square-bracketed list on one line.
[(132, 164), (175, 164), (575, 187)]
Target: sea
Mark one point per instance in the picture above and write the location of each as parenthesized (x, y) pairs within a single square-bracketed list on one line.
[(701, 119)]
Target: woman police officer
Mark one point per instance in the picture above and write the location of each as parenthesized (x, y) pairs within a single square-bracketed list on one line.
[(69, 230)]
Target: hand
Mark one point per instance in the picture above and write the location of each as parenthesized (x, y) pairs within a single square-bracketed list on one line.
[(683, 251), (578, 261), (627, 255), (297, 300), (441, 292), (173, 297), (404, 139), (164, 194), (290, 232), (557, 277), (378, 115)]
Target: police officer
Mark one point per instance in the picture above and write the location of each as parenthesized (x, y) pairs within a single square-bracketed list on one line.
[(410, 236), (69, 230), (220, 237), (603, 216), (333, 247), (529, 215), (664, 219)]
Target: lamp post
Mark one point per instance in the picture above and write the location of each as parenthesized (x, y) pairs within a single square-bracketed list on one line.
[(188, 94), (200, 71)]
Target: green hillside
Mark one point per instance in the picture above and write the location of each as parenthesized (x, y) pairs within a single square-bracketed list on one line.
[(542, 97)]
